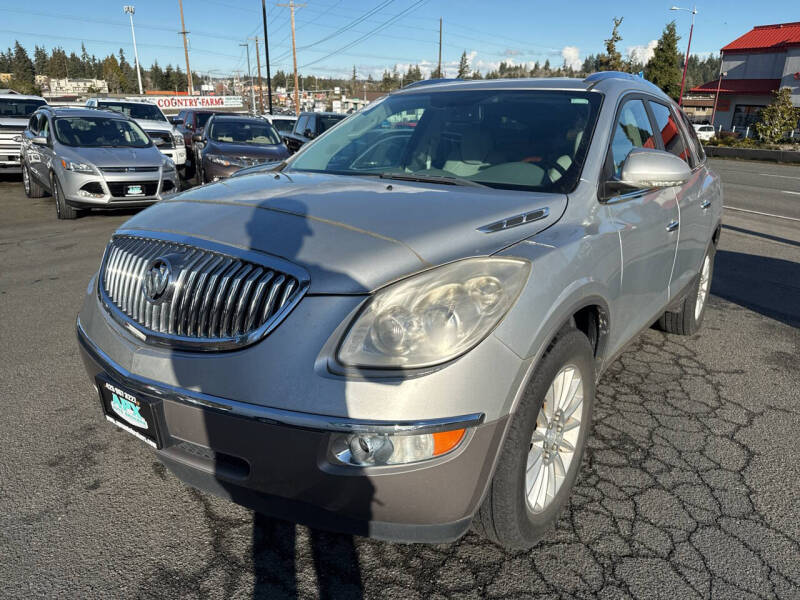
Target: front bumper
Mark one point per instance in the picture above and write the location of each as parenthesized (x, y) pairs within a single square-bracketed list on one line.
[(107, 190), (278, 462), (10, 161)]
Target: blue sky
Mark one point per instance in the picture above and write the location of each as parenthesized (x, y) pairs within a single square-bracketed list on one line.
[(489, 31)]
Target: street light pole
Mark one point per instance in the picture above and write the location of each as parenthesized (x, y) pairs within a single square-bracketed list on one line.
[(130, 10), (252, 92), (716, 97), (688, 49)]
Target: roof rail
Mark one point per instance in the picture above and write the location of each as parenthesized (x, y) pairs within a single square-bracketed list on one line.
[(596, 78), (422, 82)]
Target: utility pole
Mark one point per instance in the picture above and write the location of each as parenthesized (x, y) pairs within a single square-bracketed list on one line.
[(266, 54), (260, 83), (186, 51), (292, 5), (250, 77), (440, 47), (130, 10)]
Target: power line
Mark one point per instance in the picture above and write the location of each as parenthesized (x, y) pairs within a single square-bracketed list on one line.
[(367, 35)]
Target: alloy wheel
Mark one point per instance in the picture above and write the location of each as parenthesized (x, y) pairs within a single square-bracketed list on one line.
[(702, 289), (555, 438)]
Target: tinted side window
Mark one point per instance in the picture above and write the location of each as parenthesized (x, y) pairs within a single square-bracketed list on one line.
[(693, 139), (633, 130), (302, 124), (181, 117), (44, 126), (670, 132), (33, 124), (311, 124)]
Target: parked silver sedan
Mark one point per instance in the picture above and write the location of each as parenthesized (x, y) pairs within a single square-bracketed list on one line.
[(397, 332), (88, 158)]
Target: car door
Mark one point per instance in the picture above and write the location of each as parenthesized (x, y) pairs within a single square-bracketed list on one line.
[(647, 224), (46, 151), (692, 230), (32, 152)]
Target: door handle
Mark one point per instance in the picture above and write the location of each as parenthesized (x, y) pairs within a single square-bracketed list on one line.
[(673, 225), (705, 204)]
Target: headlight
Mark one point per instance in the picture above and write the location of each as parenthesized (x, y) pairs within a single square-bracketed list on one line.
[(225, 162), (177, 138), (168, 165), (435, 316), (76, 166)]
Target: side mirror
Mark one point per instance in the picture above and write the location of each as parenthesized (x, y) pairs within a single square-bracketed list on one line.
[(308, 133), (39, 140), (175, 120), (197, 137), (646, 168)]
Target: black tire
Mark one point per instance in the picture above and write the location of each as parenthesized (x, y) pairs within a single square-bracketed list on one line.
[(199, 176), (63, 210), (505, 516), (33, 188), (686, 321)]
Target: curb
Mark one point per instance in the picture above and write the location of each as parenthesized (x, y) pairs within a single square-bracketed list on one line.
[(782, 156)]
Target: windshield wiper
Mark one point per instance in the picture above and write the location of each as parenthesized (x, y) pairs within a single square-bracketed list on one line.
[(443, 179)]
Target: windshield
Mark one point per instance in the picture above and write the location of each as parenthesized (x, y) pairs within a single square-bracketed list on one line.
[(96, 132), (202, 119), (243, 132), (519, 139), (19, 108), (284, 125), (325, 122), (135, 110)]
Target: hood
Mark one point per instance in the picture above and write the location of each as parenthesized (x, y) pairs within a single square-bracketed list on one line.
[(154, 125), (115, 157), (353, 234), (15, 122), (247, 150)]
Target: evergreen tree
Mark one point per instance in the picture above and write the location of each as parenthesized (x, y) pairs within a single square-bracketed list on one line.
[(777, 119), (22, 73), (40, 60), (156, 77), (664, 68), (112, 74), (476, 74), (6, 61), (463, 66), (612, 59), (354, 82), (57, 64)]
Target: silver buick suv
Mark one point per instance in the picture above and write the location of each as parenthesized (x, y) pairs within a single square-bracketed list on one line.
[(397, 332), (87, 158)]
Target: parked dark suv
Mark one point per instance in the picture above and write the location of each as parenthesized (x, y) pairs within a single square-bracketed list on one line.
[(188, 122), (308, 126), (230, 142)]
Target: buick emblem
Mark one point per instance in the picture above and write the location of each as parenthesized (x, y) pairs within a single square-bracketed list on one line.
[(157, 276)]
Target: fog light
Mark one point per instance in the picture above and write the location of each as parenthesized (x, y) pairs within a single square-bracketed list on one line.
[(369, 449), (87, 194)]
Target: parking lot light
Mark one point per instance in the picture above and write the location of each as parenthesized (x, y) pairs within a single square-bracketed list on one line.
[(130, 10)]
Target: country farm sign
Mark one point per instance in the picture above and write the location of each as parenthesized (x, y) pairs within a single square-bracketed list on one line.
[(166, 102)]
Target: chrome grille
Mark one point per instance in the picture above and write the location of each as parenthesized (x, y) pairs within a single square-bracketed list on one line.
[(216, 299)]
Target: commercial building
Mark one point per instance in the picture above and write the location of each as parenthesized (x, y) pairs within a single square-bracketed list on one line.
[(76, 87), (755, 65)]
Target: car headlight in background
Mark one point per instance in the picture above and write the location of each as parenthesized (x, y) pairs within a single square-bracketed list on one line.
[(225, 162), (435, 316), (77, 167), (167, 166), (177, 138)]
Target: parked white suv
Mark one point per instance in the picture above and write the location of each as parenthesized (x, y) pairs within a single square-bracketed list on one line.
[(15, 110), (150, 118)]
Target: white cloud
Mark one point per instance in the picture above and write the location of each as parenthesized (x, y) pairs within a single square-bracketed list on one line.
[(642, 54), (571, 56)]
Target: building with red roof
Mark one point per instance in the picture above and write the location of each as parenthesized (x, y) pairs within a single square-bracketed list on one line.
[(754, 65)]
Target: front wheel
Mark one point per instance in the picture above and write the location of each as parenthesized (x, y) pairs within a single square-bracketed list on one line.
[(542, 453), (689, 317), (63, 210)]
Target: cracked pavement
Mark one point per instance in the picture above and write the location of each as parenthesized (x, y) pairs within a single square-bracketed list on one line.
[(688, 488)]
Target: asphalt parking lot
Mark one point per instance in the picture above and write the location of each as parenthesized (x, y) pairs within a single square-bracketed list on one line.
[(688, 490)]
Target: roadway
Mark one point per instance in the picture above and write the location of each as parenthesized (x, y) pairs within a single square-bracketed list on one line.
[(688, 489)]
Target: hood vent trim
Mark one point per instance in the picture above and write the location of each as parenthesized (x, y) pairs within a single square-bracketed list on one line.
[(516, 220)]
